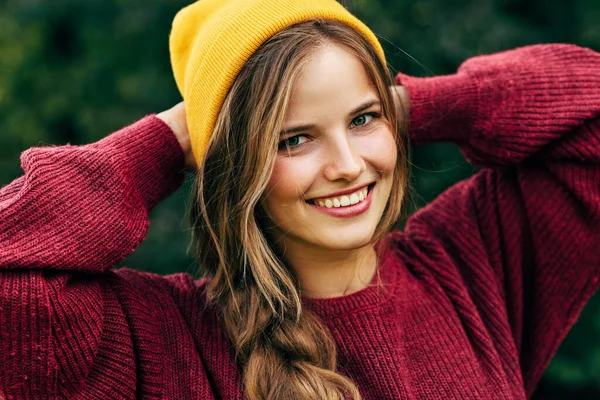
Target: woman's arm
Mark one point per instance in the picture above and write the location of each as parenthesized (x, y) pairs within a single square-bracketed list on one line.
[(86, 207), (515, 248), (78, 209), (510, 106)]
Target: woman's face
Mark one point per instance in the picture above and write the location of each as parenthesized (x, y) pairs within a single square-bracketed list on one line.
[(336, 147)]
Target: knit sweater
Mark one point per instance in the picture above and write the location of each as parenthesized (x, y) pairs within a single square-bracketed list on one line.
[(477, 291)]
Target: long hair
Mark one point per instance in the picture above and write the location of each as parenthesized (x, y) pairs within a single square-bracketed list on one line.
[(283, 350)]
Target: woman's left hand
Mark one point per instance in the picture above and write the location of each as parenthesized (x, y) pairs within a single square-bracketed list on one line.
[(401, 100)]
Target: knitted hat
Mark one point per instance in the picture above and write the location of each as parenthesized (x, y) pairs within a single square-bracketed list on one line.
[(211, 40)]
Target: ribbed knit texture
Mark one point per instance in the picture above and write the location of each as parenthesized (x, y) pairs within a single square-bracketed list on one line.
[(211, 40), (478, 291)]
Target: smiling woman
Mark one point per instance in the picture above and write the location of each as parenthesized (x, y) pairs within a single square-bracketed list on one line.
[(299, 157), (340, 155), (287, 246)]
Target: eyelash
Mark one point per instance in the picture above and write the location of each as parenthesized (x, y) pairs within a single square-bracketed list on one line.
[(283, 144)]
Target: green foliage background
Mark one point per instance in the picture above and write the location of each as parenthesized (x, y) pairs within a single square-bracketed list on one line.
[(74, 71)]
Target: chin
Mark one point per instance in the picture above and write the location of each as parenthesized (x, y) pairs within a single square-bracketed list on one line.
[(339, 241)]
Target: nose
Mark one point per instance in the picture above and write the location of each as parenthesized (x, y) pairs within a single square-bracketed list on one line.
[(344, 161)]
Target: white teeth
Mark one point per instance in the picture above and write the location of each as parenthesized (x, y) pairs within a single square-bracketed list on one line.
[(345, 201)]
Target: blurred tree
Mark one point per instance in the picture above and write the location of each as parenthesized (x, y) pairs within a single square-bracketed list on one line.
[(73, 71)]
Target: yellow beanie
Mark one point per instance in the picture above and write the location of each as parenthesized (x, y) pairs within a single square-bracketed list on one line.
[(211, 40)]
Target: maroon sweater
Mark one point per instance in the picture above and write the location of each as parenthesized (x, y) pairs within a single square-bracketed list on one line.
[(479, 290)]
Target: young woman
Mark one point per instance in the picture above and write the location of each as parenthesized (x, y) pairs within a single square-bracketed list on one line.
[(300, 156)]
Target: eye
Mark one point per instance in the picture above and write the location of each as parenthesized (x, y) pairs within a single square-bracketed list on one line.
[(363, 119), (293, 141)]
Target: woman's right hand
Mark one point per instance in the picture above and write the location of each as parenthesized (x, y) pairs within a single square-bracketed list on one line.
[(175, 118)]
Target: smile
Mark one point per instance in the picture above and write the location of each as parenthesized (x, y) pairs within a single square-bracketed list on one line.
[(347, 205), (343, 201)]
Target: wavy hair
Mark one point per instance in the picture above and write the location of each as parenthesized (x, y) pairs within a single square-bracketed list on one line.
[(283, 350)]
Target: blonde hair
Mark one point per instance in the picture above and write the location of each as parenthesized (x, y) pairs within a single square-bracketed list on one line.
[(285, 351)]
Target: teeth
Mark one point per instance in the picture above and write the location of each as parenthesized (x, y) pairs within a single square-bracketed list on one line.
[(344, 201)]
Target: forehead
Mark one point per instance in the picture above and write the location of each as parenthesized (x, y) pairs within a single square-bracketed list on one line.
[(332, 82)]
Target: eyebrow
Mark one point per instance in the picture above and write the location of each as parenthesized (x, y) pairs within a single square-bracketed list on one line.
[(301, 128)]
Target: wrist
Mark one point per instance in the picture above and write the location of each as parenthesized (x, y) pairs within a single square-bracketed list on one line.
[(175, 119)]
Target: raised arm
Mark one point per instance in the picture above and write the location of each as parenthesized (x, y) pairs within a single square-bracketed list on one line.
[(507, 107), (86, 207), (80, 209), (515, 247)]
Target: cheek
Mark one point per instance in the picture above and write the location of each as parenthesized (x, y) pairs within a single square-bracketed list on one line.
[(290, 180), (380, 150)]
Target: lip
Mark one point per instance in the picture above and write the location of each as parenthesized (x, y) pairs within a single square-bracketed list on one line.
[(348, 211), (343, 192)]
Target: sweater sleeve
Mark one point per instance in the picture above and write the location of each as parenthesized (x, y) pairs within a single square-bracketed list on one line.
[(86, 207), (519, 239), (76, 209)]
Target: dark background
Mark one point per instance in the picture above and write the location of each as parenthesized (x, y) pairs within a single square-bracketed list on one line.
[(72, 71)]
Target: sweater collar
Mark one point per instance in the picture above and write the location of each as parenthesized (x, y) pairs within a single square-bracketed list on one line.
[(379, 291)]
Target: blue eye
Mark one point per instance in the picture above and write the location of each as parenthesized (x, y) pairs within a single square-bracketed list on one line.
[(293, 141), (364, 119)]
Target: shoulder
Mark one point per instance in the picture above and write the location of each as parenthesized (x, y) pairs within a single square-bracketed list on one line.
[(181, 288)]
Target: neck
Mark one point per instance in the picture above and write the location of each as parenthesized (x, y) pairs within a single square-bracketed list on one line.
[(326, 273)]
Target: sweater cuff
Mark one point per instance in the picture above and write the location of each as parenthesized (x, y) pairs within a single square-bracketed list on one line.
[(149, 157), (442, 108)]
